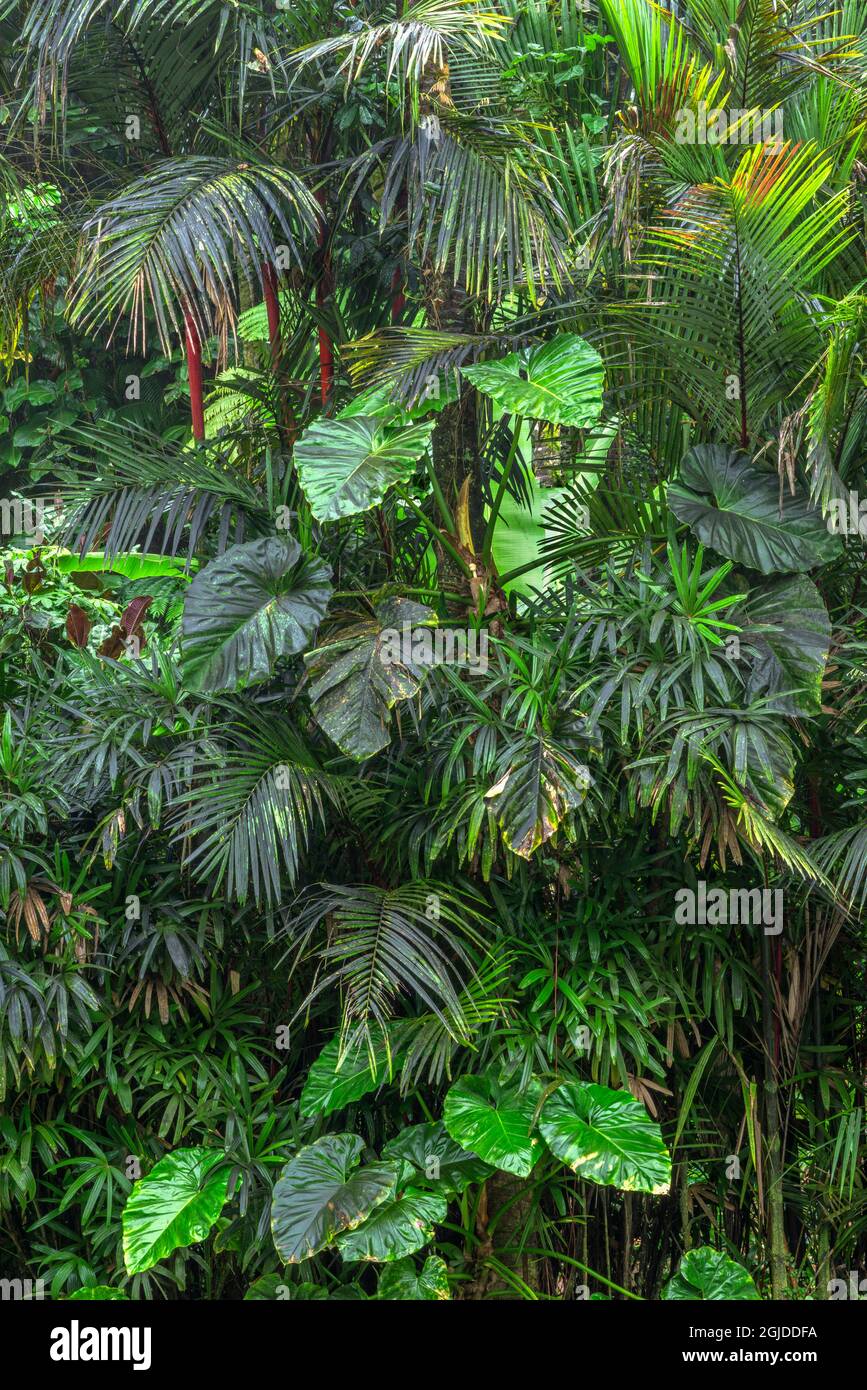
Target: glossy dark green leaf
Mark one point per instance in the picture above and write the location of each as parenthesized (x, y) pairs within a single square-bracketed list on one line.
[(260, 601), (493, 1122), (787, 633), (736, 509), (403, 1280), (175, 1205), (706, 1273), (561, 381), (396, 1228), (323, 1191), (347, 466), (606, 1137), (541, 786), (437, 1160), (334, 1081)]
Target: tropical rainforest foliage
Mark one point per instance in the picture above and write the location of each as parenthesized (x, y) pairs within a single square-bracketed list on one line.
[(433, 648)]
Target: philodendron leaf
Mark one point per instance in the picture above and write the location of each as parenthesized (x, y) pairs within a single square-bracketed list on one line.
[(98, 1293), (347, 466), (402, 1280), (706, 1273), (321, 1192), (355, 680), (787, 628), (334, 1081), (736, 509), (398, 1227), (260, 601), (539, 788), (561, 381), (175, 1205), (606, 1137), (493, 1122), (439, 1162)]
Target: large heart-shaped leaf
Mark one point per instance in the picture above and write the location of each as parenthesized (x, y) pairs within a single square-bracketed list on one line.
[(347, 466), (259, 601), (439, 1162), (540, 787), (404, 1281), (334, 1081), (606, 1137), (397, 1227), (561, 381), (735, 508), (494, 1123), (321, 1192), (175, 1205), (355, 680), (788, 629), (706, 1273)]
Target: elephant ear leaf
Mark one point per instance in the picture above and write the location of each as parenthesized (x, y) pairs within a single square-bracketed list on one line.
[(439, 1162), (706, 1273), (788, 633), (347, 466), (402, 1280), (397, 1228), (322, 1192), (175, 1205), (360, 674), (494, 1123), (736, 509), (541, 786), (337, 1078), (560, 381), (606, 1137), (260, 601)]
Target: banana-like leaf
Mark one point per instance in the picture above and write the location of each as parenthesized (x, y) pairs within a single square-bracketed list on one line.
[(261, 600), (736, 509), (710, 1274), (396, 1228), (788, 628), (539, 788), (355, 682), (402, 1280), (606, 1137), (561, 381), (334, 1081), (175, 1205), (494, 1123), (439, 1162), (321, 1192), (347, 466)]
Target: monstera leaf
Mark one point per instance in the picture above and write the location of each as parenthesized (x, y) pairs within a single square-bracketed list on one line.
[(334, 1081), (321, 1192), (397, 1228), (494, 1123), (561, 381), (174, 1206), (788, 629), (347, 466), (257, 602), (539, 788), (607, 1137), (735, 508), (709, 1274), (355, 680), (437, 1159), (402, 1280)]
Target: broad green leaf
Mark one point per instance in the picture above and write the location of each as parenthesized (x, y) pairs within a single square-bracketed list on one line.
[(538, 790), (788, 629), (347, 466), (98, 1293), (396, 1228), (355, 682), (561, 381), (175, 1205), (321, 1192), (606, 1137), (402, 1280), (377, 401), (260, 601), (438, 1160), (334, 1081), (493, 1122), (736, 509), (706, 1273)]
